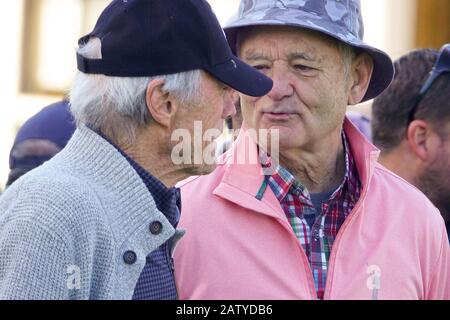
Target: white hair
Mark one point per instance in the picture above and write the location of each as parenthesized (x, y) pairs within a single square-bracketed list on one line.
[(348, 55), (117, 106)]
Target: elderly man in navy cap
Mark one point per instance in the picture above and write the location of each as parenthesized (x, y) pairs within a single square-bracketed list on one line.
[(326, 221), (84, 225)]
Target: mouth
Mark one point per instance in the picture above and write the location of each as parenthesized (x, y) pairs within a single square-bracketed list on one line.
[(277, 116)]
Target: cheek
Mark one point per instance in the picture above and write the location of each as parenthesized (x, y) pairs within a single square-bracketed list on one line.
[(214, 112), (249, 107), (445, 164), (212, 115), (331, 103)]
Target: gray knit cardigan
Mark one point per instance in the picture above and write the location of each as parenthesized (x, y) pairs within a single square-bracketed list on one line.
[(66, 226)]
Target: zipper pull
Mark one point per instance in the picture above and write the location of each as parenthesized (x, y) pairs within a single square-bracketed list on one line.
[(374, 280)]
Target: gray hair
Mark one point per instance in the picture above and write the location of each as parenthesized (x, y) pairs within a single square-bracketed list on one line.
[(348, 55), (117, 106)]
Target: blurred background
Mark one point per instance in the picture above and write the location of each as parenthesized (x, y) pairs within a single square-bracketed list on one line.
[(37, 62)]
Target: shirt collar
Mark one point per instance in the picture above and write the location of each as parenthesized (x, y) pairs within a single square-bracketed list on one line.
[(286, 182), (167, 200)]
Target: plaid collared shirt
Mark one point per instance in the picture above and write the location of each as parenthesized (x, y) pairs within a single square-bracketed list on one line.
[(317, 240)]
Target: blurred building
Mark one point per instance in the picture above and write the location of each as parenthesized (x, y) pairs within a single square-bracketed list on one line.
[(37, 60)]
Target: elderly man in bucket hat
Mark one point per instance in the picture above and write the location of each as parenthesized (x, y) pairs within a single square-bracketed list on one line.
[(326, 221), (86, 223)]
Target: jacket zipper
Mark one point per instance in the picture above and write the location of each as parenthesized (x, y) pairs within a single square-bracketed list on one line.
[(311, 285), (309, 274), (346, 224), (308, 271)]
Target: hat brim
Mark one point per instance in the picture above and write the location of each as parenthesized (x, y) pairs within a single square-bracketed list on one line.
[(383, 71), (241, 77)]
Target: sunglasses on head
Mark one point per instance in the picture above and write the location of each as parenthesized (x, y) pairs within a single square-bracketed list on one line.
[(441, 66)]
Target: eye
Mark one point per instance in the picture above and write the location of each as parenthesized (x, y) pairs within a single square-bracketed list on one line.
[(301, 67), (261, 67), (228, 90), (304, 70)]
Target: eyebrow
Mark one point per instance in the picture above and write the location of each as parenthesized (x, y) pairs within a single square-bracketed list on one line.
[(301, 56), (253, 56)]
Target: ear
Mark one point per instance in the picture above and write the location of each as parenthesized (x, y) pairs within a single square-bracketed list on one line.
[(361, 73), (418, 135), (159, 103)]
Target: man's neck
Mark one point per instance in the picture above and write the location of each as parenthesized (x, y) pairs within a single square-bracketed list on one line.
[(401, 163), (153, 155), (320, 169)]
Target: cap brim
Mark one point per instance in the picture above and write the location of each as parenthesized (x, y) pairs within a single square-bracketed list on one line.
[(241, 77)]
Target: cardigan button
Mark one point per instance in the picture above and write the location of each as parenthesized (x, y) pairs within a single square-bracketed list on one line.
[(130, 257), (156, 227)]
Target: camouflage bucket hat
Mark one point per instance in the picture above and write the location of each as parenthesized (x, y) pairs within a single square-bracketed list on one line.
[(340, 19)]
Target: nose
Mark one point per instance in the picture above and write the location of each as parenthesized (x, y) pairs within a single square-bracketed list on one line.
[(282, 85), (229, 108)]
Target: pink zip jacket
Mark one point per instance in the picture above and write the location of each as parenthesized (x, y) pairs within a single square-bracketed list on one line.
[(392, 246)]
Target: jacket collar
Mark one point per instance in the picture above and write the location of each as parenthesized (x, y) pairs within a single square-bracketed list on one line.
[(128, 205), (242, 179), (364, 153)]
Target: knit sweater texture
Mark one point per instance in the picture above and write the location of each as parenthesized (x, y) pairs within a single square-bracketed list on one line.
[(68, 228)]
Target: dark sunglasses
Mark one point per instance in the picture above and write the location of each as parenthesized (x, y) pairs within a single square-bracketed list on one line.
[(441, 66)]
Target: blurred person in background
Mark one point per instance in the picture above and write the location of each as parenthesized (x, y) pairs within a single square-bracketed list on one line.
[(99, 220), (362, 122), (40, 138), (411, 124)]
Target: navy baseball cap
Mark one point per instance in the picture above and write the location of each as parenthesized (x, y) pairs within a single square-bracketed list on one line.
[(145, 38)]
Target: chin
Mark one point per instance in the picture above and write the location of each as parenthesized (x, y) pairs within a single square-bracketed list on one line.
[(290, 139), (202, 170)]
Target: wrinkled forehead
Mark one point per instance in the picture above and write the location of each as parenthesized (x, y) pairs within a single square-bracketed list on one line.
[(284, 40)]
